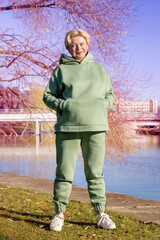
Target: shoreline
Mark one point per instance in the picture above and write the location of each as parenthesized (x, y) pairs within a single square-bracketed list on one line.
[(145, 210)]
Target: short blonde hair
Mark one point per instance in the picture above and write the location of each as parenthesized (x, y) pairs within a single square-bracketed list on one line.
[(75, 33)]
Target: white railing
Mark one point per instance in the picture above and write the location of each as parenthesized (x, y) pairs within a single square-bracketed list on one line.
[(19, 111), (31, 117)]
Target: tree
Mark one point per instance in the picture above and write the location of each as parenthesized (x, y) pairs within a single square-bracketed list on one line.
[(31, 55), (106, 21)]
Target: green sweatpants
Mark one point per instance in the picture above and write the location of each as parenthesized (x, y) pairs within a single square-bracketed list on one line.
[(93, 151)]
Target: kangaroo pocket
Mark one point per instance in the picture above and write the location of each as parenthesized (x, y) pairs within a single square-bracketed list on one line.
[(82, 112)]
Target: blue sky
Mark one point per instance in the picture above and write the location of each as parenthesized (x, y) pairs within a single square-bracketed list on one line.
[(143, 45)]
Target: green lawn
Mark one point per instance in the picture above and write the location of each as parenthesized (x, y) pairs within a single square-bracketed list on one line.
[(25, 214)]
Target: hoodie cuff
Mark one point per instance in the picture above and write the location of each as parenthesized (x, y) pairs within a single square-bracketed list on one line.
[(61, 106)]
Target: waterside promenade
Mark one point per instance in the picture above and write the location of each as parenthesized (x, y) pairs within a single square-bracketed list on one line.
[(147, 211)]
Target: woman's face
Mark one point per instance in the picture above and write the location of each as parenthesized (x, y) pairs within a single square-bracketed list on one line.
[(78, 48)]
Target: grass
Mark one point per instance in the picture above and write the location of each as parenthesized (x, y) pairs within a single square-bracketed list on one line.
[(25, 214)]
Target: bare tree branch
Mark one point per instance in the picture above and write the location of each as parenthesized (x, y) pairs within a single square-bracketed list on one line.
[(35, 4)]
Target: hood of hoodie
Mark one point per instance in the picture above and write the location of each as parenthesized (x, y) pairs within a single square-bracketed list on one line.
[(64, 59)]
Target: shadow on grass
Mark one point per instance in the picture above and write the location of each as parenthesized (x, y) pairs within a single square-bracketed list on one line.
[(21, 217), (81, 223), (25, 214), (9, 214)]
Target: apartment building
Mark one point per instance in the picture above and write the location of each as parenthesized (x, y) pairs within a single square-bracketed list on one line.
[(123, 106)]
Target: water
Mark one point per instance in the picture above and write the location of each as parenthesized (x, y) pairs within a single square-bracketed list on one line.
[(138, 174)]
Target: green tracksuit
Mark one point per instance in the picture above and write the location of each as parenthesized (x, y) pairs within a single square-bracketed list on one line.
[(81, 93)]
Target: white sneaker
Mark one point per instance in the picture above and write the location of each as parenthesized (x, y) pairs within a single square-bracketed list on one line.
[(57, 223), (105, 222)]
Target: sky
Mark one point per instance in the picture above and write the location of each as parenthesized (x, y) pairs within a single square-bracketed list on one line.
[(143, 45)]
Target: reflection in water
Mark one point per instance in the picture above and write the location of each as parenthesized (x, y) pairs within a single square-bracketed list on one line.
[(146, 141), (137, 175)]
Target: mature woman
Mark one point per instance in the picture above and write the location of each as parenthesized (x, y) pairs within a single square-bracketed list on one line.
[(81, 93)]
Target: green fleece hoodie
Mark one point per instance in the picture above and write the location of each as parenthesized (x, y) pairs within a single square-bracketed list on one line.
[(81, 93)]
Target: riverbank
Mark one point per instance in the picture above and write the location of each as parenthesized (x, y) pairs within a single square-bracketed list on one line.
[(26, 214), (145, 210)]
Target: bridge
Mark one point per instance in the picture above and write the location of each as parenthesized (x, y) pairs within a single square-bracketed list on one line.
[(137, 120), (26, 116), (133, 121), (143, 120), (143, 123)]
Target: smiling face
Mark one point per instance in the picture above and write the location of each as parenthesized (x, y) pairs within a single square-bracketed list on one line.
[(78, 48)]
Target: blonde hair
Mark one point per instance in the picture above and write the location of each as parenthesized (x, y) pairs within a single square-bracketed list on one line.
[(75, 33)]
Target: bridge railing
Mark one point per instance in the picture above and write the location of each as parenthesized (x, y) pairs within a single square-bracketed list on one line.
[(21, 111), (140, 116), (126, 116)]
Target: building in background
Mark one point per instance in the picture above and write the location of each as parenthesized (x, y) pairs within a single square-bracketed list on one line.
[(133, 107)]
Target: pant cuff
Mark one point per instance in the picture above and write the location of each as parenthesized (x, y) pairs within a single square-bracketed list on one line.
[(99, 207), (60, 208)]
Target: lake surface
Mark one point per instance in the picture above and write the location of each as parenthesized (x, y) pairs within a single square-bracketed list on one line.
[(138, 174)]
